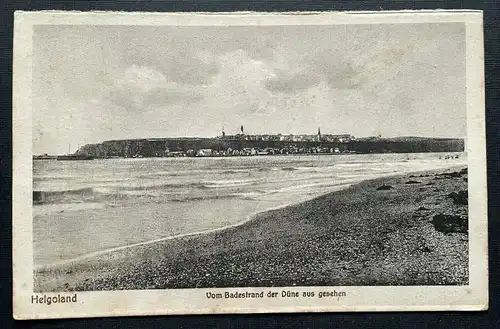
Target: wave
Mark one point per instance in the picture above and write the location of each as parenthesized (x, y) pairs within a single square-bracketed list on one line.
[(40, 197), (246, 196), (231, 183), (123, 191), (162, 186), (233, 172), (47, 209), (190, 173), (79, 195)]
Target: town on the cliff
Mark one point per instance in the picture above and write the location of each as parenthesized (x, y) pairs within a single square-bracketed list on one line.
[(242, 144)]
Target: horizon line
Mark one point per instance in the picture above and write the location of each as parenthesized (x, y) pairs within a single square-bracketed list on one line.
[(268, 134)]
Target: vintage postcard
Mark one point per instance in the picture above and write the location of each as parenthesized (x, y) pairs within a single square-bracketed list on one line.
[(188, 163)]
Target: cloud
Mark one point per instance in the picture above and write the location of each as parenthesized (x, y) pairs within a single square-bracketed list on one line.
[(180, 64), (240, 84), (340, 69), (139, 81), (342, 76), (289, 81), (336, 75), (301, 71), (142, 87)]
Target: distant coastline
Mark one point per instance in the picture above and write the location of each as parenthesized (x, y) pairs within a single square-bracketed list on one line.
[(254, 145)]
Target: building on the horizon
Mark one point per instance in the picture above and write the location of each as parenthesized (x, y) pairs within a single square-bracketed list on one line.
[(318, 137)]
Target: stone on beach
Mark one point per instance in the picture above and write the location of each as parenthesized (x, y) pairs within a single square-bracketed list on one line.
[(460, 198), (450, 223)]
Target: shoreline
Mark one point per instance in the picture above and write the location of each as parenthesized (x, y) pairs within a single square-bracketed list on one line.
[(249, 217), (53, 157), (105, 270)]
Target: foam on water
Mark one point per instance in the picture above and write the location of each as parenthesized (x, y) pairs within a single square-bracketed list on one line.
[(48, 209)]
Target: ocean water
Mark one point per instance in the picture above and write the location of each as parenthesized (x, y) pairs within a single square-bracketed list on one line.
[(81, 208)]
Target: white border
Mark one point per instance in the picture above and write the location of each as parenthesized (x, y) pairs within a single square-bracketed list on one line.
[(193, 301)]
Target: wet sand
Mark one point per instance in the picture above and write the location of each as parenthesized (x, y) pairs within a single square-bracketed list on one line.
[(403, 230)]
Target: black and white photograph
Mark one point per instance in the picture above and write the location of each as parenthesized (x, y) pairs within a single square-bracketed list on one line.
[(299, 160)]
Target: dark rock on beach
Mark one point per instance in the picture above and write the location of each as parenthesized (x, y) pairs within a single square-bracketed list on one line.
[(450, 223), (413, 182), (384, 187), (460, 198), (453, 174), (425, 249)]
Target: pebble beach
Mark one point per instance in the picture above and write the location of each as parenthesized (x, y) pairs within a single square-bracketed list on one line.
[(400, 230)]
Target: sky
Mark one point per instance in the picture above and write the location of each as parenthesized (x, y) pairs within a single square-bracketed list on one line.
[(97, 83)]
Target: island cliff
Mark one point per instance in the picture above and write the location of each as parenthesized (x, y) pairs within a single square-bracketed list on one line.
[(237, 145)]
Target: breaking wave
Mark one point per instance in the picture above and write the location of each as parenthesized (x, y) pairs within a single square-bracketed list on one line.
[(151, 190), (40, 197)]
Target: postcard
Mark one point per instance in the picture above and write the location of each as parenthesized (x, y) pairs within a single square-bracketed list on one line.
[(203, 163)]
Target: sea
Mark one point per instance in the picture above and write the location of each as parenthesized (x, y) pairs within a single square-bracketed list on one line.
[(86, 208)]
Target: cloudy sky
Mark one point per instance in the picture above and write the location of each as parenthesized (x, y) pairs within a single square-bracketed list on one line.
[(96, 83)]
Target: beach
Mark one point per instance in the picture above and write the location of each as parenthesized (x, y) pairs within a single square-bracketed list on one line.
[(407, 229)]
